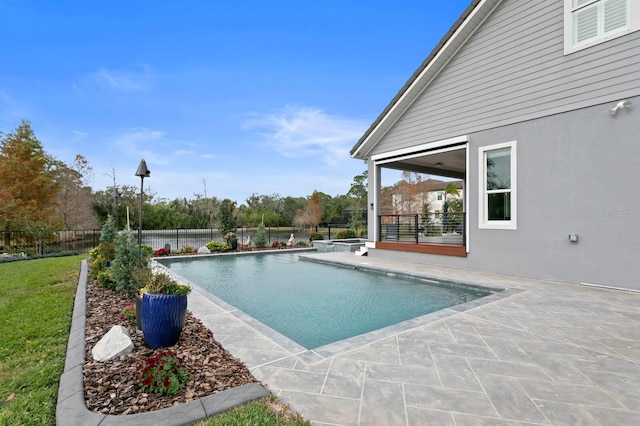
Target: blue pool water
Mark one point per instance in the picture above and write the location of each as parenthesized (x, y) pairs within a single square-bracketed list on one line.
[(317, 304)]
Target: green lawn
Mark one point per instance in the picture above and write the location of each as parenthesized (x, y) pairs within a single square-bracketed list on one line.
[(36, 301)]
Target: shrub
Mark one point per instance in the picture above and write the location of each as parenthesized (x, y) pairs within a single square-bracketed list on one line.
[(108, 232), (164, 284), (261, 238), (302, 244), (345, 233), (217, 246), (187, 249), (129, 262), (161, 252), (316, 236), (105, 280), (163, 373)]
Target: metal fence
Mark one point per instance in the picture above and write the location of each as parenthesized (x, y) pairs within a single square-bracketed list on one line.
[(82, 241), (434, 228)]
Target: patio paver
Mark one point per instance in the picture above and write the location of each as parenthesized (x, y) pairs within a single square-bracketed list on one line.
[(543, 353)]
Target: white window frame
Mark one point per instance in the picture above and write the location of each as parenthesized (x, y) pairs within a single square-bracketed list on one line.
[(483, 219), (633, 24)]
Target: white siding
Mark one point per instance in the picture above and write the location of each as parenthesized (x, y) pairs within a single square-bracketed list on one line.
[(514, 69)]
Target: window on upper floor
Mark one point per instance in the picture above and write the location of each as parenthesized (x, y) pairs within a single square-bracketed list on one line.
[(498, 186), (590, 22)]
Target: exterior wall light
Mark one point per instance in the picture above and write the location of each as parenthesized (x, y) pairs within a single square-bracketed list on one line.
[(619, 106)]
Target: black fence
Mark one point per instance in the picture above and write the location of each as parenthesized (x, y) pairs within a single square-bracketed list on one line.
[(82, 241)]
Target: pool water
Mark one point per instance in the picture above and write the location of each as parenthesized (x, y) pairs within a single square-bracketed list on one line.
[(316, 304)]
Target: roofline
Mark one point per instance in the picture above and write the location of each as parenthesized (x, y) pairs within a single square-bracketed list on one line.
[(441, 47)]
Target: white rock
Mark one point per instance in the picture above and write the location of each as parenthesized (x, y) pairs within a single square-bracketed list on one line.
[(113, 344), (203, 250)]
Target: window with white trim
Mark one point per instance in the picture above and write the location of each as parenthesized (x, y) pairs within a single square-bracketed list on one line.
[(498, 186), (590, 22)]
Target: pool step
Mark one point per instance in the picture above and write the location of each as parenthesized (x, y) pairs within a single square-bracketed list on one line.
[(362, 251)]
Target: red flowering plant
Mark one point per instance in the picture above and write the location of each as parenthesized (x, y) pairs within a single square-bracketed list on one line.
[(162, 373), (275, 243), (129, 314), (161, 252)]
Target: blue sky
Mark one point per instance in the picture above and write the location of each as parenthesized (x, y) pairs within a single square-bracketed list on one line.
[(249, 96)]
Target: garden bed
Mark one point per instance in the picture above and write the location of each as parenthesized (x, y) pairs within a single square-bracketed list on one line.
[(114, 387)]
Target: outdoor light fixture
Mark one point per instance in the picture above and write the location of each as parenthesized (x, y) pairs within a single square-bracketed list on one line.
[(143, 172), (619, 106)]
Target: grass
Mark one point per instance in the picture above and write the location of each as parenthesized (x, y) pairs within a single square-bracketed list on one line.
[(268, 411), (36, 301)]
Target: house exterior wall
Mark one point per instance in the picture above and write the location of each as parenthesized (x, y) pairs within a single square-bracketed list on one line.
[(574, 170), (513, 69)]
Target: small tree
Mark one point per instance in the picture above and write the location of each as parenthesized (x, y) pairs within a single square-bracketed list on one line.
[(261, 237), (226, 218), (129, 264)]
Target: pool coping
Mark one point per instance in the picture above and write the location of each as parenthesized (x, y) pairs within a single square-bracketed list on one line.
[(71, 408), (321, 353)]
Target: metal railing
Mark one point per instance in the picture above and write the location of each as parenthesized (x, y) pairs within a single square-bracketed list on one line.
[(80, 241), (434, 228)]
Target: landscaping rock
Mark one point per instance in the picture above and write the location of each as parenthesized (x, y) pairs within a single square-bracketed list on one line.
[(113, 344), (203, 250)]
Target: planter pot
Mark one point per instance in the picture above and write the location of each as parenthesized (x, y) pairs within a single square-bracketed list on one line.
[(163, 319), (138, 312), (234, 245)]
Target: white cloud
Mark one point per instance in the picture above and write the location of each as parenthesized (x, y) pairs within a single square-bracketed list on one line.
[(152, 145), (306, 132), (78, 135), (124, 81)]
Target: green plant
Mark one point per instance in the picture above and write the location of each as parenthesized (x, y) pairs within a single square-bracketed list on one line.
[(345, 233), (129, 314), (129, 261), (108, 232), (105, 280), (187, 249), (217, 246), (163, 373), (302, 244), (316, 236), (163, 284), (261, 238)]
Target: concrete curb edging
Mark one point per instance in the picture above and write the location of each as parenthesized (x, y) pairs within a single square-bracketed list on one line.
[(71, 408)]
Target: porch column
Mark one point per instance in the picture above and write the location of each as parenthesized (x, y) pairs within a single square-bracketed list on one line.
[(373, 208)]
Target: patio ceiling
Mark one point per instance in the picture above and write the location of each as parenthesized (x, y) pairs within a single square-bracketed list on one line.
[(449, 164)]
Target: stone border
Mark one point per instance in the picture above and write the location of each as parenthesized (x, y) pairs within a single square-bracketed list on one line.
[(71, 408)]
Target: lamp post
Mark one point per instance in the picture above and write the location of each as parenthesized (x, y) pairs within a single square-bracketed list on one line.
[(143, 172)]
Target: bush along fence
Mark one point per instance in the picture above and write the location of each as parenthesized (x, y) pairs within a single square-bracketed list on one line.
[(82, 241)]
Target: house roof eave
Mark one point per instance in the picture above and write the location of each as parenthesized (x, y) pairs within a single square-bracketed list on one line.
[(458, 34)]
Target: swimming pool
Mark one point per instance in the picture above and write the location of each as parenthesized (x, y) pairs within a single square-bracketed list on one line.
[(316, 304)]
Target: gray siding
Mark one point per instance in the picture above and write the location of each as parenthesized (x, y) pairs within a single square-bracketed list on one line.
[(513, 69), (577, 173)]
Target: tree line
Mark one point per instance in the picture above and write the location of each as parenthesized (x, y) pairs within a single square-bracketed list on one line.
[(41, 194)]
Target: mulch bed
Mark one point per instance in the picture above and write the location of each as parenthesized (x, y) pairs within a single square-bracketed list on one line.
[(113, 387)]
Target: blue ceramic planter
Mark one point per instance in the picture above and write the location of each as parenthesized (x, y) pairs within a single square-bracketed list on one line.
[(163, 319)]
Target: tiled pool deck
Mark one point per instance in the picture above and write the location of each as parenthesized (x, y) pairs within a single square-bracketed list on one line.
[(541, 353)]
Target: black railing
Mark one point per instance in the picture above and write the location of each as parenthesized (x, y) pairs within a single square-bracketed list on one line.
[(80, 241), (434, 228)]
